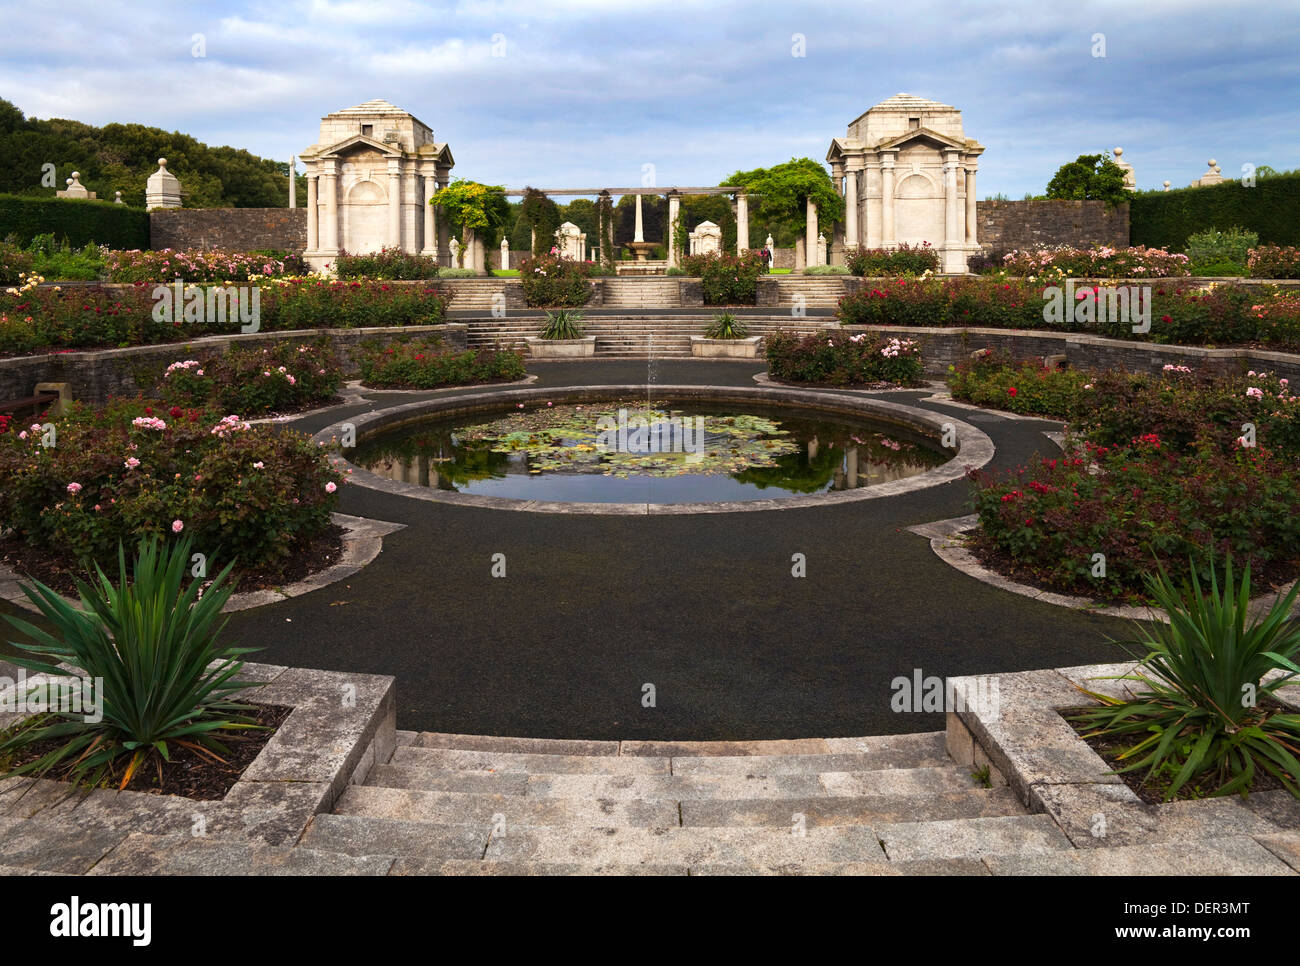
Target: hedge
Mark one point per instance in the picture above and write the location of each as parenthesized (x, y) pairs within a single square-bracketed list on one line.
[(79, 220), (1164, 219)]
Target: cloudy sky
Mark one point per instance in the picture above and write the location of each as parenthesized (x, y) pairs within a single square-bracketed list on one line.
[(572, 93)]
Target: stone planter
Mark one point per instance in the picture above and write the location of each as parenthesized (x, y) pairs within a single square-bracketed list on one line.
[(1012, 723), (341, 724), (706, 348), (561, 348)]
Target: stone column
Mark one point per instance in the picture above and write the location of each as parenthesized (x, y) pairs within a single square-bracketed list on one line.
[(313, 222), (330, 236), (395, 203), (953, 235), (810, 235), (851, 208), (972, 210), (443, 223), (869, 185), (293, 182), (887, 200), (505, 253), (742, 223), (430, 218), (639, 235), (837, 177), (674, 214)]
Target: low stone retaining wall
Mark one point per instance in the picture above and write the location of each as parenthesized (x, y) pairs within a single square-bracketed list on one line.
[(96, 375)]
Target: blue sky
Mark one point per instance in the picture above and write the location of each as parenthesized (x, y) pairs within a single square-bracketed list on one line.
[(587, 91)]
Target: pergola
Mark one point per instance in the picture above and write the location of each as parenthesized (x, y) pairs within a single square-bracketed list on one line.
[(674, 195)]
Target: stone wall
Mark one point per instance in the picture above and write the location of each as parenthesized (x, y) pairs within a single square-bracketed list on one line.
[(95, 376), (235, 229), (1005, 225)]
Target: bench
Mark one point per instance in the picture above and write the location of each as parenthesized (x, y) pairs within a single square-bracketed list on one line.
[(36, 403)]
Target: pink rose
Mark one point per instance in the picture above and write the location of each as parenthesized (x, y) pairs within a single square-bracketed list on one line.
[(177, 526)]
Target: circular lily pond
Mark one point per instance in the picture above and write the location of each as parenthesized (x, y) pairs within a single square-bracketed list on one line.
[(648, 452)]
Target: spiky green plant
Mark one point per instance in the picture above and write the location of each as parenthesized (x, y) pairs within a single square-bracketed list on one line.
[(152, 648), (562, 324), (726, 326), (1201, 718)]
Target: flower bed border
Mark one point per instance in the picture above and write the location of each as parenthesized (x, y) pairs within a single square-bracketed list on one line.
[(363, 540)]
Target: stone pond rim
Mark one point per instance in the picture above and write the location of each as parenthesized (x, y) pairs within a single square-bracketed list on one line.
[(974, 447)]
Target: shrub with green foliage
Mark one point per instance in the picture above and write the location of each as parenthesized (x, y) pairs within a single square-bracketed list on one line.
[(1025, 387), (550, 280), (252, 381), (150, 646), (826, 270), (726, 326), (1213, 246), (1090, 177), (727, 279), (1167, 219), (880, 262), (78, 221), (1206, 718), (843, 360), (387, 264), (253, 494), (562, 324), (426, 364)]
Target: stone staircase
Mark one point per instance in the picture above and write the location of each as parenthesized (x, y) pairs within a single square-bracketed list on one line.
[(646, 293), (464, 805), (473, 294), (631, 336), (817, 291)]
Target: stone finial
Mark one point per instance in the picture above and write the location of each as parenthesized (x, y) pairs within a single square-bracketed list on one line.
[(1119, 153), (74, 188), (117, 198), (1166, 185), (1212, 176), (163, 189)]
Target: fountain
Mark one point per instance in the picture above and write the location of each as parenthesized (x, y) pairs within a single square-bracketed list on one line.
[(641, 248)]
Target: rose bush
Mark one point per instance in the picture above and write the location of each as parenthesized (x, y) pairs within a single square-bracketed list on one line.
[(251, 380), (843, 360), (136, 467), (426, 364)]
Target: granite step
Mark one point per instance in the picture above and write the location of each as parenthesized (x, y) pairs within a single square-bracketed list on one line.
[(876, 811), (883, 783), (453, 759), (485, 811), (972, 837), (186, 854)]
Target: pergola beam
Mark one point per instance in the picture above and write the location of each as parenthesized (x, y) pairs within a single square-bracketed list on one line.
[(628, 191)]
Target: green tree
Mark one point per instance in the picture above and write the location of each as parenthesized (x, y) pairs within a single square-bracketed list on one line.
[(779, 196), (473, 206), (1092, 177)]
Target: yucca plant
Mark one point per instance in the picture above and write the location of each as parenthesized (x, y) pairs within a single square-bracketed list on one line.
[(1201, 717), (151, 647), (562, 324), (726, 326)]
